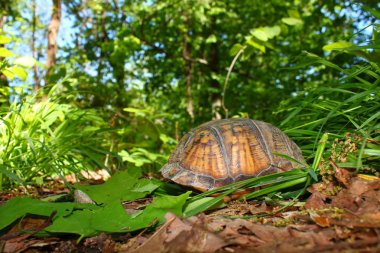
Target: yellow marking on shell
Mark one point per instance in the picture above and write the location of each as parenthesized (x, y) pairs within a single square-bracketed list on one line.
[(256, 159), (204, 156)]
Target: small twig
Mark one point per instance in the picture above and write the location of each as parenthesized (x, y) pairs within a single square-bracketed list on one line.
[(228, 77)]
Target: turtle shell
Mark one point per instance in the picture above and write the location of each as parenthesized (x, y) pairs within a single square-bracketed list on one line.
[(224, 151)]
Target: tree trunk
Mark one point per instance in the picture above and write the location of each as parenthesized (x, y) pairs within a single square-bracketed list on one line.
[(3, 79), (186, 55), (52, 39), (214, 68), (37, 85)]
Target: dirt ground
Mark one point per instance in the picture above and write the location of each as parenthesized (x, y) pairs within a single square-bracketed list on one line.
[(340, 215)]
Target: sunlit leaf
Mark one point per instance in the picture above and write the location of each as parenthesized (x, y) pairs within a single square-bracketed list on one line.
[(256, 45), (20, 72), (112, 218), (25, 61), (292, 21), (4, 39), (211, 39), (122, 186), (9, 74), (337, 45), (5, 52), (19, 207), (260, 34)]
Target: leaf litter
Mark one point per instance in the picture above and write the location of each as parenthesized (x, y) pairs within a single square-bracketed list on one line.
[(348, 221), (341, 215)]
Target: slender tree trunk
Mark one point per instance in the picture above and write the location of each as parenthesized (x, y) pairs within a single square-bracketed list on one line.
[(214, 68), (3, 80), (53, 28), (186, 55), (102, 37), (37, 85)]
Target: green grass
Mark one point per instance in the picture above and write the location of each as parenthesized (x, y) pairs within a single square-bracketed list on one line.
[(45, 139)]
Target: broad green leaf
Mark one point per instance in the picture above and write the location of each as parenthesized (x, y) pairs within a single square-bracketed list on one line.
[(272, 31), (265, 33), (256, 45), (211, 39), (260, 34), (122, 186), (25, 61), (9, 74), (292, 21), (112, 218), (235, 49), (4, 39), (293, 13), (19, 207), (337, 45), (20, 72), (5, 52), (79, 222)]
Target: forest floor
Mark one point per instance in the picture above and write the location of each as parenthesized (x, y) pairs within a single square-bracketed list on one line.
[(339, 215)]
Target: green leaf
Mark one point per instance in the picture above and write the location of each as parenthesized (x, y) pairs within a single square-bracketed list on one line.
[(122, 186), (3, 169), (312, 173), (372, 152), (9, 74), (337, 45), (194, 205), (235, 49), (260, 34), (293, 13), (136, 110), (17, 208), (112, 218), (320, 151), (265, 33), (211, 39), (4, 39), (20, 72), (292, 21), (25, 61), (5, 52), (256, 45), (272, 31)]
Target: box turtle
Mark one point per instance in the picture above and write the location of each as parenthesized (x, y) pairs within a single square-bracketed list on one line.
[(224, 151)]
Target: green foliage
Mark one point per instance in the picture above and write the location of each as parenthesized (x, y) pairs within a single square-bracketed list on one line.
[(351, 103), (11, 68), (45, 139), (122, 186), (17, 208), (88, 219), (112, 217)]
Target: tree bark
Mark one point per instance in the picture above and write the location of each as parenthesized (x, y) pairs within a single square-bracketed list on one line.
[(3, 79), (53, 28), (186, 55), (37, 85), (214, 68)]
